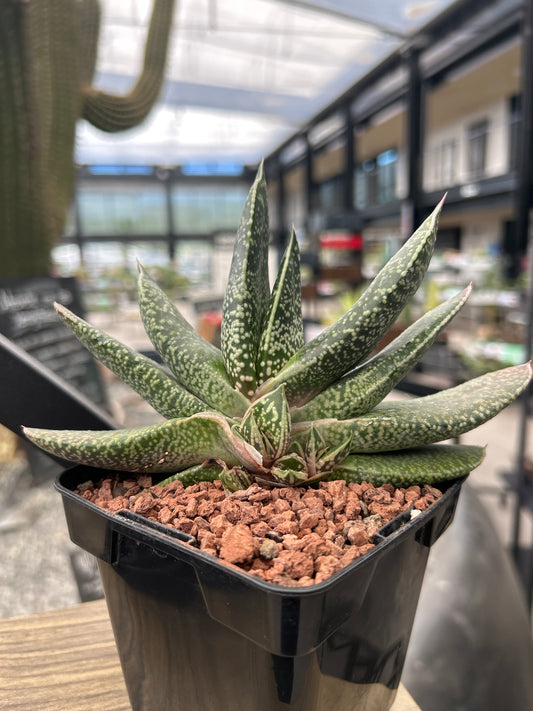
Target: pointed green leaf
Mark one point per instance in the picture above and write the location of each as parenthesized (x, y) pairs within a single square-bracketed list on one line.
[(197, 364), (425, 420), (283, 332), (208, 471), (247, 292), (144, 375), (164, 447), (427, 465), (268, 418), (363, 388), (345, 344), (235, 479)]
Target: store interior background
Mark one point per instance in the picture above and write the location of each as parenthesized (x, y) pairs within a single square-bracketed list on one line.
[(365, 114)]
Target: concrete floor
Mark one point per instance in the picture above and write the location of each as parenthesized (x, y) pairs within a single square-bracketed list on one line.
[(37, 555)]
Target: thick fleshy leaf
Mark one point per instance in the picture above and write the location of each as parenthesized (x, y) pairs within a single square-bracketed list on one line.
[(412, 423), (208, 471), (247, 292), (346, 343), (144, 375), (283, 332), (197, 364), (164, 447), (366, 386), (427, 465), (267, 425)]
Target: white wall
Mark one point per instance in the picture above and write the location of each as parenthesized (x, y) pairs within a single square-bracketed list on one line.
[(497, 153)]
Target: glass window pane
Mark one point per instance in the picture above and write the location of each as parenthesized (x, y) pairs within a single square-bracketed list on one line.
[(203, 209), (121, 209)]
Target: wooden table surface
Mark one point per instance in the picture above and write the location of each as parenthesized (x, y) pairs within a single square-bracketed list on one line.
[(65, 660)]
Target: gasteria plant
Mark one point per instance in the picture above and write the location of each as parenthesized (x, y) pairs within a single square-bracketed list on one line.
[(268, 408)]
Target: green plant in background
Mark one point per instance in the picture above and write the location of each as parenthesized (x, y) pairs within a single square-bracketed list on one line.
[(47, 61), (268, 407)]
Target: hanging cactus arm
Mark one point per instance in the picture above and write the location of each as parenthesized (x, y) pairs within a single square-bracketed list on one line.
[(197, 364), (248, 291), (425, 420), (363, 388), (343, 345), (89, 16), (283, 332), (116, 113), (145, 376), (164, 447), (432, 464)]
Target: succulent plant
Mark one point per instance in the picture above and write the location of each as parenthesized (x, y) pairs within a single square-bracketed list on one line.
[(267, 407)]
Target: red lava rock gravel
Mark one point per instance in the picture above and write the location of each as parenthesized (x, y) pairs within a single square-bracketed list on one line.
[(287, 536)]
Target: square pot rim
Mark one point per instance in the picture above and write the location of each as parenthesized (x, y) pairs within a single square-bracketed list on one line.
[(168, 543)]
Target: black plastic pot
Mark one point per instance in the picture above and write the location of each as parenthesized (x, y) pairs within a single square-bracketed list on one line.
[(193, 633)]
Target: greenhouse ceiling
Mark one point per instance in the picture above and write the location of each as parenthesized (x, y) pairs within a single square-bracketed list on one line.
[(242, 75)]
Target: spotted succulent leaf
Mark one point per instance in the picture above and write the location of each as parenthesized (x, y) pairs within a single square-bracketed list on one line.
[(283, 333), (334, 426), (197, 364), (207, 471), (268, 423), (247, 292), (425, 420), (364, 387), (164, 447), (143, 374), (431, 465), (346, 343)]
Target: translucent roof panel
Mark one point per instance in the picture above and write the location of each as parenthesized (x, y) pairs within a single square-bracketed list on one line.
[(242, 75)]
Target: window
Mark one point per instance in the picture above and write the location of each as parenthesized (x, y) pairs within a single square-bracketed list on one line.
[(330, 194), (386, 169), (205, 208), (120, 209), (445, 163), (375, 180), (477, 148)]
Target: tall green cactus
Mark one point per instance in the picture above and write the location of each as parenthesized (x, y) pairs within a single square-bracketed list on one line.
[(47, 60)]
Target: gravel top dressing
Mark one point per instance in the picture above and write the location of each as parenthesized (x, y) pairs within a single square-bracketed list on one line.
[(292, 536)]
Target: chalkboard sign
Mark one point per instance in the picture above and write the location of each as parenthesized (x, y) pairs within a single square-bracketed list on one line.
[(28, 318)]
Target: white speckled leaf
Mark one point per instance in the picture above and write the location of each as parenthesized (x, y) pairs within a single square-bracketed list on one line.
[(427, 465), (167, 446), (197, 364), (269, 417), (247, 292), (145, 376), (363, 388), (425, 420), (346, 343), (283, 332)]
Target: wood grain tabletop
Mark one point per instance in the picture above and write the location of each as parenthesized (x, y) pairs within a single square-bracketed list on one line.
[(65, 660)]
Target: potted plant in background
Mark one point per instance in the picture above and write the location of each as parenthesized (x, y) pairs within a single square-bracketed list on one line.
[(272, 420)]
